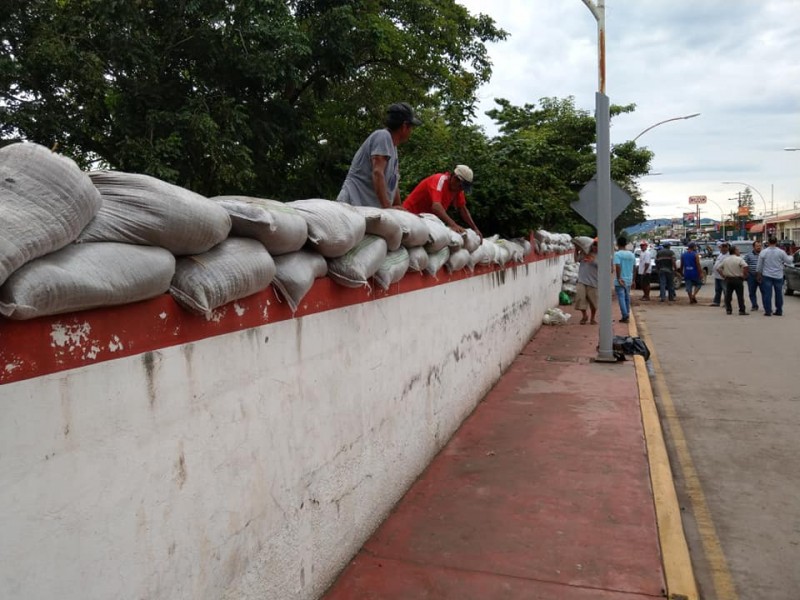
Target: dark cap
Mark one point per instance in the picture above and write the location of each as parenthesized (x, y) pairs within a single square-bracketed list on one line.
[(403, 112), (692, 245)]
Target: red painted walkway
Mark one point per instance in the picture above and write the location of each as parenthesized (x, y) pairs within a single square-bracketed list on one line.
[(543, 493)]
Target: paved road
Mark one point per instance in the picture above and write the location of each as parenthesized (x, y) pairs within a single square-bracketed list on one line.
[(728, 391)]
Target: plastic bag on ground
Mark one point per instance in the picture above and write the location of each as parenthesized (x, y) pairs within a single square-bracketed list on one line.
[(84, 276), (275, 224), (45, 202), (334, 228), (393, 269), (438, 233), (382, 222), (359, 264), (555, 316), (295, 275), (417, 259), (139, 209), (437, 260), (458, 260), (236, 268)]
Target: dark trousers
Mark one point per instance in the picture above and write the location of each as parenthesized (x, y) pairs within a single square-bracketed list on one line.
[(719, 290), (754, 286), (734, 285), (666, 284)]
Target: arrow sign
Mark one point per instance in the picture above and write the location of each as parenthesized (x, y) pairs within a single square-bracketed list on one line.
[(586, 205)]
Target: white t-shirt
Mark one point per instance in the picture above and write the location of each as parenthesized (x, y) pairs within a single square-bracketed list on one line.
[(644, 262)]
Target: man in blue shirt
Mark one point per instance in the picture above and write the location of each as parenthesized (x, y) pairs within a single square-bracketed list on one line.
[(624, 260)]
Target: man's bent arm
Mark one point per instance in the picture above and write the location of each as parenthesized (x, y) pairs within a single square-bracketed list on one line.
[(379, 180)]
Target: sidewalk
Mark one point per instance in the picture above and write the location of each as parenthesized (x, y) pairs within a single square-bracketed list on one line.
[(543, 493)]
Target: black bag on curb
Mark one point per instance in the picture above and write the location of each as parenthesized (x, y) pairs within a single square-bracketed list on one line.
[(625, 344)]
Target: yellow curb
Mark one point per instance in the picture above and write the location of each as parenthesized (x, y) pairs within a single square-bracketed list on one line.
[(678, 571)]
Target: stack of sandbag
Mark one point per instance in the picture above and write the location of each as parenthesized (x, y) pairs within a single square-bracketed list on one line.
[(295, 274), (415, 232), (359, 264), (334, 228), (278, 226), (553, 242), (139, 209), (569, 277), (45, 202)]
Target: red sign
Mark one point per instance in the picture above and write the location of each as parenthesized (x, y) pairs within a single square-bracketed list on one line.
[(697, 199)]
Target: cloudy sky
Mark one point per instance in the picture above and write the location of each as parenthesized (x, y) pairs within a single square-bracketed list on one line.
[(737, 62)]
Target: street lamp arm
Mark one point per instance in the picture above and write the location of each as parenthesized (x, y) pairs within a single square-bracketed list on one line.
[(592, 7), (752, 187), (692, 116)]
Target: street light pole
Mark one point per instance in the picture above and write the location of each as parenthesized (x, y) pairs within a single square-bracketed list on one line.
[(752, 187), (605, 351), (692, 116), (721, 216)]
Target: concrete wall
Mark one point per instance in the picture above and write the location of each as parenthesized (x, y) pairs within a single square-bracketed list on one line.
[(251, 464)]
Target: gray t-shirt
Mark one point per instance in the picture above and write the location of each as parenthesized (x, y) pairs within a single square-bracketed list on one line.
[(357, 188), (587, 273)]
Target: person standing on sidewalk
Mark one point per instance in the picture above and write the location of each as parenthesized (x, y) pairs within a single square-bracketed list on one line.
[(624, 260), (665, 263), (643, 272), (719, 280), (753, 285), (734, 270), (692, 272), (586, 295), (770, 275)]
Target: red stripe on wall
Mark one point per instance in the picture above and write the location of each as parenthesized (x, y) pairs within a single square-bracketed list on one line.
[(56, 343)]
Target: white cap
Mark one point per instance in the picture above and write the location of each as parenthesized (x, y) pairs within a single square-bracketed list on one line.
[(464, 174)]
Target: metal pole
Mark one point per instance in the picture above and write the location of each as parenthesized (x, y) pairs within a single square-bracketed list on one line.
[(692, 116)]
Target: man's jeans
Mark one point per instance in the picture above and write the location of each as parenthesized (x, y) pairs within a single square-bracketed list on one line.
[(719, 290), (624, 298), (768, 286), (752, 287), (666, 283)]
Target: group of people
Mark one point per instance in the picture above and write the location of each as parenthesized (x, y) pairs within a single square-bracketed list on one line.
[(761, 269), (374, 175)]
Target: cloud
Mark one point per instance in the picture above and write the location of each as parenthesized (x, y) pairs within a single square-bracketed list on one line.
[(737, 62)]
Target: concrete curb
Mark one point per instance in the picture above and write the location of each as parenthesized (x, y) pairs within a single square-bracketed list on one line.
[(678, 572)]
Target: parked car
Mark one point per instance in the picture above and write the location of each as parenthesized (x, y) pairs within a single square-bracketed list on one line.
[(791, 276), (706, 264)]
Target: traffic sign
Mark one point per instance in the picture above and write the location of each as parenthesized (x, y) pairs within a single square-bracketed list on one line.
[(697, 199), (586, 205)]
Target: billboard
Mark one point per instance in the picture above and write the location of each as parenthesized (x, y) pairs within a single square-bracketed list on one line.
[(697, 199)]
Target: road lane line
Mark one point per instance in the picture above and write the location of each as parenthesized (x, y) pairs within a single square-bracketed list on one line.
[(715, 557)]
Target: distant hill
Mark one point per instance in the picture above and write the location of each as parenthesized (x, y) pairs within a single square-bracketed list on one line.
[(651, 224)]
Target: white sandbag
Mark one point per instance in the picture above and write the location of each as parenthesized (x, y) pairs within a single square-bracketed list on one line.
[(515, 251), (139, 209), (584, 243), (437, 260), (487, 253), (480, 256), (334, 228), (236, 268), (415, 232), (417, 259), (555, 316), (438, 233), (381, 222), (502, 254), (79, 277), (362, 262), (45, 202), (458, 260), (456, 240), (296, 273), (275, 224), (393, 269), (471, 240)]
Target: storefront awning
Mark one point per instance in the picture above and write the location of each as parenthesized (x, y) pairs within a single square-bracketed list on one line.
[(757, 228)]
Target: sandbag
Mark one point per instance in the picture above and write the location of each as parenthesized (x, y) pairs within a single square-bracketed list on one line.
[(437, 260), (236, 268), (415, 232), (83, 276), (45, 202), (275, 224), (139, 209), (438, 233), (458, 260), (515, 251), (394, 267), (295, 274), (381, 222), (471, 240), (484, 255), (502, 254), (417, 259), (359, 264), (334, 228), (584, 243)]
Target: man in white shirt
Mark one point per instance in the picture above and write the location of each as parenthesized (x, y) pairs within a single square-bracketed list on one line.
[(643, 272), (770, 276)]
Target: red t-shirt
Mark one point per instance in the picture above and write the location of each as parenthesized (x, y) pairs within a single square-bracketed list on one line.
[(432, 189)]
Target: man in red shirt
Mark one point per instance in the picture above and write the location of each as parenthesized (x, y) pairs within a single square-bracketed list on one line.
[(436, 193)]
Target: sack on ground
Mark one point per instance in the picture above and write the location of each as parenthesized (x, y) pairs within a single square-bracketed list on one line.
[(393, 269), (415, 232), (84, 276), (627, 344), (555, 316), (334, 228), (438, 233), (236, 268), (359, 264), (275, 224), (45, 202), (458, 260), (437, 260), (295, 275), (139, 209), (417, 259), (381, 222)]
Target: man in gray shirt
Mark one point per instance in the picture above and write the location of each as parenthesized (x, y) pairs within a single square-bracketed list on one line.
[(770, 276), (374, 175)]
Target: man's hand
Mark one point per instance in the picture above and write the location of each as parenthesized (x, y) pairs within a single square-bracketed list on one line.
[(398, 207), (457, 228)]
